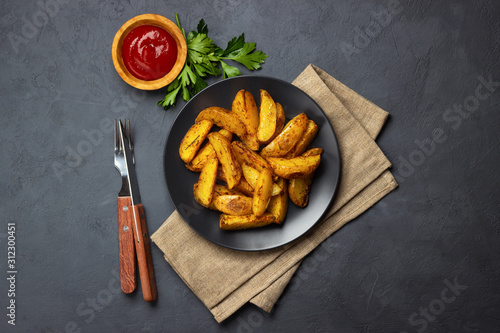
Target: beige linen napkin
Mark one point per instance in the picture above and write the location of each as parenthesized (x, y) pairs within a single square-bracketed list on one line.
[(225, 279)]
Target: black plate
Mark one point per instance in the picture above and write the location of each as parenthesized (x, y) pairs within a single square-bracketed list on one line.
[(205, 222)]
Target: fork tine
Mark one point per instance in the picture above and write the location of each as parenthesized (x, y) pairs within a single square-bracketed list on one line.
[(130, 142), (117, 143)]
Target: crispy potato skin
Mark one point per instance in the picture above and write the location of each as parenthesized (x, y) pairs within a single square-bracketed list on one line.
[(262, 192), (280, 120), (196, 193), (230, 222), (223, 118), (251, 175), (267, 117), (299, 188), (206, 181), (228, 161), (278, 206), (308, 136), (295, 167), (223, 190), (313, 151), (245, 155), (233, 204), (242, 187), (245, 108), (206, 152), (288, 138), (193, 139)]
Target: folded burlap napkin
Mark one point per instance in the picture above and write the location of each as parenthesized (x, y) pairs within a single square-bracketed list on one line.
[(225, 279)]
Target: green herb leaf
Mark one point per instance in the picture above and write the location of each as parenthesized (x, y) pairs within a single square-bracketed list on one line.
[(170, 98), (234, 45), (186, 94), (247, 57), (199, 86), (202, 27), (199, 47), (205, 58), (229, 71)]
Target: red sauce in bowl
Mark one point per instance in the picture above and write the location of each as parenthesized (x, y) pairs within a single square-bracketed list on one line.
[(149, 52)]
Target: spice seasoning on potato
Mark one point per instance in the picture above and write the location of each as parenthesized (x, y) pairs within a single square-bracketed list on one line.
[(299, 188), (205, 153), (251, 175), (206, 182), (193, 139), (305, 141), (278, 206), (245, 108), (223, 118), (233, 204), (262, 192), (294, 167), (288, 138), (232, 222), (268, 117), (229, 163)]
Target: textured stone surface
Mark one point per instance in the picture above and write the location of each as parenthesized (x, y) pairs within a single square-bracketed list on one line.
[(394, 269)]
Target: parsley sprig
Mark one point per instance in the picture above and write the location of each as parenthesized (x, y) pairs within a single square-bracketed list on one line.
[(205, 58)]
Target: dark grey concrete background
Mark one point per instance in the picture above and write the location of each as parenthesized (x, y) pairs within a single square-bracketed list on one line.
[(425, 258)]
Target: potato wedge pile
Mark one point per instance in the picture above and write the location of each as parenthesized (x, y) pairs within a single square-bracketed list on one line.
[(251, 186)]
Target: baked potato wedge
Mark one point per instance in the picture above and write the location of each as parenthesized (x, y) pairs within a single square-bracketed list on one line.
[(313, 151), (196, 194), (223, 190), (251, 175), (231, 222), (245, 108), (245, 155), (229, 163), (193, 139), (294, 167), (288, 138), (206, 181), (267, 118), (242, 187), (262, 192), (278, 206), (305, 141), (280, 119), (299, 188), (206, 152), (224, 119), (233, 204)]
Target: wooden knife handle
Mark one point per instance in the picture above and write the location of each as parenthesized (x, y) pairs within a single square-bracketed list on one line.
[(128, 269), (144, 260)]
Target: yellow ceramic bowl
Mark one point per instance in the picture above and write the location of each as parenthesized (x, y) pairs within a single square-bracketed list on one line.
[(159, 21)]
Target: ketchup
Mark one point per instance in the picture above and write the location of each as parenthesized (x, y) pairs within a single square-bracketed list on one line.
[(149, 52)]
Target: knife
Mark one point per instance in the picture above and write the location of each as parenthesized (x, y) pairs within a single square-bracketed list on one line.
[(141, 237)]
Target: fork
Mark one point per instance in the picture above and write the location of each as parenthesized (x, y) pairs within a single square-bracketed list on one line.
[(128, 268)]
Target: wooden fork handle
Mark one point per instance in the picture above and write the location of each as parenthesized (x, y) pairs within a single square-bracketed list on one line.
[(143, 252), (128, 269)]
